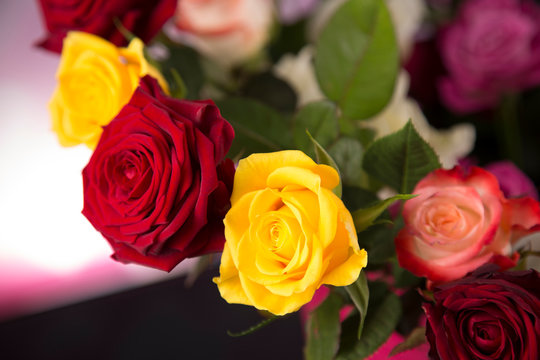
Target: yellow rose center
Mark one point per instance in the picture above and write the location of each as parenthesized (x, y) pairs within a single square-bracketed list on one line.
[(278, 234)]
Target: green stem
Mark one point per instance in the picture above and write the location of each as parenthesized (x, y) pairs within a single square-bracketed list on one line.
[(509, 130), (254, 327)]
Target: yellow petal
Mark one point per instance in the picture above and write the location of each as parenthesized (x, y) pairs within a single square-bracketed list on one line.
[(263, 202), (289, 175), (344, 255), (329, 176), (328, 205), (57, 116), (346, 273), (263, 299), (310, 277), (237, 223), (77, 42), (252, 172), (228, 282), (138, 66)]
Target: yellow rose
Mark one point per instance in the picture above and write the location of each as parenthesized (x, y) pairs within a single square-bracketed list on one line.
[(95, 80), (286, 234)]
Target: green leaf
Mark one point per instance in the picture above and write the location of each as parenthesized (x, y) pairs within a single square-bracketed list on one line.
[(348, 154), (355, 197), (400, 159), (359, 293), (403, 278), (290, 38), (323, 329), (319, 118), (381, 320), (323, 157), (258, 128), (378, 240), (179, 89), (184, 61), (357, 58), (271, 91), (416, 338), (364, 218)]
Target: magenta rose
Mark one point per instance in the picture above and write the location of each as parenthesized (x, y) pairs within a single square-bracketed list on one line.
[(459, 221), (487, 315), (141, 17), (157, 185), (513, 181), (491, 48)]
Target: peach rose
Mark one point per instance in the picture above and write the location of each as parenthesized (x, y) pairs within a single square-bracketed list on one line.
[(460, 221), (228, 31)]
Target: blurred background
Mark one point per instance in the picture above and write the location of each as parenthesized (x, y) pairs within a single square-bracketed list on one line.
[(61, 296), (50, 255)]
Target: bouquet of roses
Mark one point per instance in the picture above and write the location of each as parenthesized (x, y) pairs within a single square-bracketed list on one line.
[(291, 137)]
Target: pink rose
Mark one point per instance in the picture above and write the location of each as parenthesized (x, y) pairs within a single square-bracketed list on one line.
[(228, 31), (491, 48), (459, 221), (514, 183)]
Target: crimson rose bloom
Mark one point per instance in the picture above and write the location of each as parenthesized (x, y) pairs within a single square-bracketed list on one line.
[(487, 315), (141, 17), (157, 186)]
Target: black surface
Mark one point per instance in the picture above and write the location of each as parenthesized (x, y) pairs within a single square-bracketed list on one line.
[(162, 321)]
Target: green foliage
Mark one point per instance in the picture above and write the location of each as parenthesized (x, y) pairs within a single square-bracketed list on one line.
[(356, 197), (254, 328), (289, 39), (357, 58), (319, 118), (403, 278), (380, 322), (401, 159), (416, 338), (359, 293), (178, 87), (364, 218), (185, 62), (378, 240), (348, 153), (271, 91), (258, 128), (323, 157), (323, 329)]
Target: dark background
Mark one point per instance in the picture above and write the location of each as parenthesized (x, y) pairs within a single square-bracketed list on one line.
[(161, 321)]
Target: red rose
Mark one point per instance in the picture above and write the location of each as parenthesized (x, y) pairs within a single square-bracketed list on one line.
[(141, 17), (487, 315), (460, 221), (157, 186)]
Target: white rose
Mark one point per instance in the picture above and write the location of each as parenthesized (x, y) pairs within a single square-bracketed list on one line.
[(450, 144), (297, 70), (227, 31)]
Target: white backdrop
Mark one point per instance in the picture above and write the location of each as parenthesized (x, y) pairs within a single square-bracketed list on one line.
[(49, 253)]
